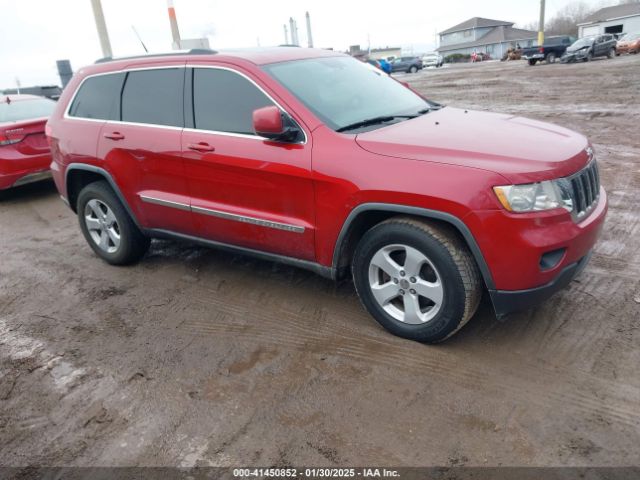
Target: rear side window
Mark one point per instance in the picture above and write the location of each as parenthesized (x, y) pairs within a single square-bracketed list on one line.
[(224, 101), (154, 97), (98, 97)]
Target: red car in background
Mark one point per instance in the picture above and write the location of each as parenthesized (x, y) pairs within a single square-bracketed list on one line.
[(24, 153)]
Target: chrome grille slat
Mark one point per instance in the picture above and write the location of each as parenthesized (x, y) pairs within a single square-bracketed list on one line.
[(585, 187)]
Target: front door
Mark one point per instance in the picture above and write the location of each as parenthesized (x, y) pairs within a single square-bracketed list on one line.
[(245, 190)]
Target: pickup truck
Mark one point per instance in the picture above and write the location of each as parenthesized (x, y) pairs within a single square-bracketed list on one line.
[(552, 49)]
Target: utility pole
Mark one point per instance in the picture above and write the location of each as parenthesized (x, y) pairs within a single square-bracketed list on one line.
[(541, 25), (175, 33), (102, 28), (286, 35)]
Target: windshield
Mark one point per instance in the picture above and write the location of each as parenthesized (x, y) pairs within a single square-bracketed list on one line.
[(26, 109), (630, 37), (342, 91), (583, 42)]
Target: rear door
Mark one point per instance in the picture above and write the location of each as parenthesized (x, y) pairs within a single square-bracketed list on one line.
[(141, 147), (246, 190)]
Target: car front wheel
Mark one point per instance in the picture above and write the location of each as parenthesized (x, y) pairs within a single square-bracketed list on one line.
[(418, 280), (413, 69), (612, 53), (107, 227)]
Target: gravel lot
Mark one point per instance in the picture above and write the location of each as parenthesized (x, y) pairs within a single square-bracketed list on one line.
[(198, 357)]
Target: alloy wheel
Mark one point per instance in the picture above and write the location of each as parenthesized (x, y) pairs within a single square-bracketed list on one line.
[(406, 284), (102, 225)]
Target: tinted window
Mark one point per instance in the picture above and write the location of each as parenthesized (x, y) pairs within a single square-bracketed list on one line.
[(224, 101), (26, 109), (98, 97), (154, 97)]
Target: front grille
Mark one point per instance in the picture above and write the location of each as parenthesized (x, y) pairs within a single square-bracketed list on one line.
[(585, 189)]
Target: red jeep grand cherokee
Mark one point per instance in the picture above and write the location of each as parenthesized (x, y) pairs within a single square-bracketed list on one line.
[(320, 161)]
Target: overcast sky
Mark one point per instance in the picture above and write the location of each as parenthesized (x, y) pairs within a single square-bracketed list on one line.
[(35, 33)]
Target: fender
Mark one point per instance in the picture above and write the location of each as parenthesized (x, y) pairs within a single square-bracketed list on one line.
[(107, 176), (419, 212)]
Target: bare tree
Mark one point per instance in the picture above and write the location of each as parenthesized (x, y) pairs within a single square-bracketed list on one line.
[(566, 20)]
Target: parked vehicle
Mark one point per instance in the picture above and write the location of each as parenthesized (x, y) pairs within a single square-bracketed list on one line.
[(553, 48), (433, 60), (385, 66), (588, 48), (630, 43), (406, 64), (314, 159), (24, 152), (480, 57)]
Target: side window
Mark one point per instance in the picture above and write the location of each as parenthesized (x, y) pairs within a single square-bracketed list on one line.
[(224, 101), (154, 97), (98, 97)]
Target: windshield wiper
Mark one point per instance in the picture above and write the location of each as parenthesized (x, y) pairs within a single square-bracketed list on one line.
[(372, 121)]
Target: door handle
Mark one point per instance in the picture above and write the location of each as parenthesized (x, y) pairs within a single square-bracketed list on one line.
[(201, 147), (114, 136)]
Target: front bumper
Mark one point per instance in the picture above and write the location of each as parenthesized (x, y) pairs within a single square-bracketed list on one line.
[(533, 252), (508, 301), (575, 56)]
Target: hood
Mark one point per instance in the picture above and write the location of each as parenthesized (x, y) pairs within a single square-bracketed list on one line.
[(573, 49), (517, 148)]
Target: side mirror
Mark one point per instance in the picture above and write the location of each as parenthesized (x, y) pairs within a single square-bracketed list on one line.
[(270, 122)]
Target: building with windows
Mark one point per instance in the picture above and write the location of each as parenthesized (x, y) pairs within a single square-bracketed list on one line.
[(493, 37), (618, 19)]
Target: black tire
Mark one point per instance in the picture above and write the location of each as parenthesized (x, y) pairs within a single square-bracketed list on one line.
[(589, 57), (413, 69), (551, 58), (612, 54), (459, 276), (532, 62), (133, 244)]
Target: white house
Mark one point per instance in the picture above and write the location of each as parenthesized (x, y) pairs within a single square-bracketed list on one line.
[(477, 34), (618, 19)]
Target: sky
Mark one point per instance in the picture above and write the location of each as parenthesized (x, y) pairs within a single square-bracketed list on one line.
[(36, 33)]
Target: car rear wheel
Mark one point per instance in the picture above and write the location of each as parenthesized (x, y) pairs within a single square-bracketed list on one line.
[(418, 280), (612, 53), (107, 227), (551, 58), (413, 69)]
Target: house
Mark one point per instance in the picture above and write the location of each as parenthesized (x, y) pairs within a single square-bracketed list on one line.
[(618, 19), (477, 34)]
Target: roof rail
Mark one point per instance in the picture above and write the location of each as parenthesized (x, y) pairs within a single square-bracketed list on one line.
[(193, 51)]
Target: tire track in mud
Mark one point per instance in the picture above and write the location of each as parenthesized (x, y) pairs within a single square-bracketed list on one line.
[(288, 327)]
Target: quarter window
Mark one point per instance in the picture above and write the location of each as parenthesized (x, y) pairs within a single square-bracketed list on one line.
[(98, 97), (154, 97), (224, 101)]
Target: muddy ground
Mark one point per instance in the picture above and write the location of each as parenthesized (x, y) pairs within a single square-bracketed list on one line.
[(197, 357)]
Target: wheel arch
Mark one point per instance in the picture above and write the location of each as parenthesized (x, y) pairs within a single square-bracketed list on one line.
[(365, 216), (78, 176)]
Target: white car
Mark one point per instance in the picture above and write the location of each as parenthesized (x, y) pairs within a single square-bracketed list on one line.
[(433, 60)]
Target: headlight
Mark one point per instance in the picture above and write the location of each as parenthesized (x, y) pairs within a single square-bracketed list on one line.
[(535, 197)]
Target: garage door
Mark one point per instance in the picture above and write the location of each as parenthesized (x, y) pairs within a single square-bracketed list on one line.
[(586, 31)]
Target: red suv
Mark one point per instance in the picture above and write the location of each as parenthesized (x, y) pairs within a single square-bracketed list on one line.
[(314, 159)]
